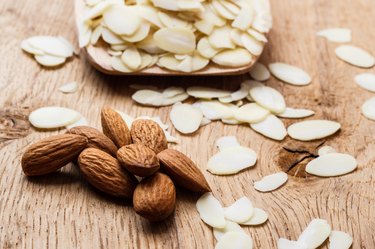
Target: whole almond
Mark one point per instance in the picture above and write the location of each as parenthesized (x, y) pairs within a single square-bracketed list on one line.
[(138, 159), (183, 170), (105, 173), (155, 197), (96, 139), (50, 154), (148, 133), (115, 127)]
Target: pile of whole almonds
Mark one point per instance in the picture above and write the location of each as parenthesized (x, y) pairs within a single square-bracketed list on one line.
[(114, 161)]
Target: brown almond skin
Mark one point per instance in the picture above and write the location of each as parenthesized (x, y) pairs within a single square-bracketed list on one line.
[(50, 154), (96, 139), (183, 171), (105, 173), (150, 134), (155, 197), (115, 127), (138, 159)]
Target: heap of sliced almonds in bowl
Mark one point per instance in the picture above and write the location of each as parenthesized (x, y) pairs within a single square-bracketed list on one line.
[(176, 37)]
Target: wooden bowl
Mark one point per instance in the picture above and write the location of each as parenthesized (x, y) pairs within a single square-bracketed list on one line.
[(99, 58)]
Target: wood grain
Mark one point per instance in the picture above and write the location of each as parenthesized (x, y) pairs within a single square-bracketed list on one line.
[(61, 211)]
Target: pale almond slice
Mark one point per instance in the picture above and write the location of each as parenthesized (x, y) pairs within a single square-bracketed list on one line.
[(188, 5), (315, 233), (332, 164), (259, 72), (231, 121), (148, 97), (131, 58), (118, 65), (251, 113), (80, 122), (84, 33), (271, 127), (140, 34), (232, 7), (172, 21), (231, 161), (238, 240), (172, 91), (205, 121), (215, 110), (235, 36), (267, 97), (229, 227), (70, 87), (295, 113), (111, 38), (257, 35), (262, 21), (313, 129), (368, 108), (25, 45), (49, 60), (254, 46), (50, 45), (290, 74), (289, 244), (119, 47), (206, 92), (92, 2), (366, 81), (340, 240), (150, 14), (325, 150), (355, 56), (259, 217), (169, 62), (210, 14), (220, 38), (114, 53), (226, 142), (199, 62), (96, 34), (175, 99), (222, 11), (186, 64), (166, 4), (336, 34), (204, 26), (233, 58), (240, 211), (244, 18), (175, 40), (186, 118), (211, 211), (226, 100), (122, 20), (271, 182), (148, 44), (53, 117), (98, 10), (241, 93)]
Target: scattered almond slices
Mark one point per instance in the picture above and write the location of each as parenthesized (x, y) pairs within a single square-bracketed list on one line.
[(259, 72), (368, 108), (211, 211), (70, 87), (295, 113), (315, 233), (186, 118), (340, 35), (340, 240), (267, 97), (215, 110), (230, 226), (240, 211), (156, 98), (259, 217), (238, 240), (331, 164), (272, 127), (355, 56), (313, 129), (325, 150), (366, 81), (290, 74), (226, 142), (53, 117), (271, 182)]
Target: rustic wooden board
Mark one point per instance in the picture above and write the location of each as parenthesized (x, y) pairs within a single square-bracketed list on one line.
[(60, 211)]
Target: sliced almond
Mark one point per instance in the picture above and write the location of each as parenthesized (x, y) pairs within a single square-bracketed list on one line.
[(366, 81), (222, 11), (226, 142), (131, 58), (238, 240), (267, 97), (259, 72), (199, 62), (51, 45), (169, 62), (259, 217), (186, 118), (229, 227), (251, 113), (325, 150), (25, 45), (313, 129), (96, 34), (214, 110), (97, 10), (220, 38), (240, 211), (241, 93), (140, 34), (257, 35), (271, 182), (166, 4), (204, 26), (244, 18), (336, 34), (49, 60), (355, 56), (175, 40), (368, 108), (272, 127), (295, 113), (122, 20), (118, 65), (206, 92), (290, 74), (175, 99), (315, 233), (150, 14), (340, 240), (70, 87), (331, 164), (211, 211), (111, 38), (254, 46), (233, 58), (289, 244), (148, 97), (53, 117)]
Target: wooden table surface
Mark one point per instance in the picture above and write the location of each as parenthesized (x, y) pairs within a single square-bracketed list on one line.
[(62, 211)]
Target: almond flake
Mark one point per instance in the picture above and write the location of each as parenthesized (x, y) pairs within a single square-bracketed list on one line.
[(251, 113), (271, 182), (118, 65), (368, 108), (241, 93), (240, 211), (289, 244), (295, 113), (206, 92), (97, 10), (271, 127), (96, 34), (366, 81), (205, 121), (340, 240), (175, 99), (25, 45), (148, 97), (355, 56), (122, 20), (53, 117), (186, 118), (331, 164), (49, 60), (336, 35), (50, 45), (111, 38), (131, 58), (175, 40), (254, 46), (229, 227), (214, 110), (172, 91), (140, 34), (238, 240), (290, 74), (226, 142), (259, 72), (315, 233), (220, 38), (231, 121), (259, 217), (244, 18), (267, 97), (313, 129), (233, 58), (211, 211), (325, 150), (70, 87), (206, 49)]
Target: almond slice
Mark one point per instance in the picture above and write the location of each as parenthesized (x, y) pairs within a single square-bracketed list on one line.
[(97, 10), (244, 18), (53, 117), (131, 58), (257, 35), (96, 34), (295, 113), (175, 40), (206, 92), (205, 48), (220, 38), (259, 72), (172, 91), (50, 45), (118, 65), (49, 60), (240, 211), (368, 108), (229, 227), (235, 35), (80, 122), (122, 20), (325, 150), (289, 244), (340, 240), (186, 118), (366, 81), (267, 97), (271, 127), (238, 240), (111, 38), (231, 161), (271, 182), (259, 217), (332, 164), (241, 93), (336, 35), (211, 211), (70, 87), (315, 233), (251, 113), (25, 45), (254, 46), (214, 110), (226, 142), (175, 99), (355, 56), (233, 58), (148, 97), (313, 129), (290, 74)]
